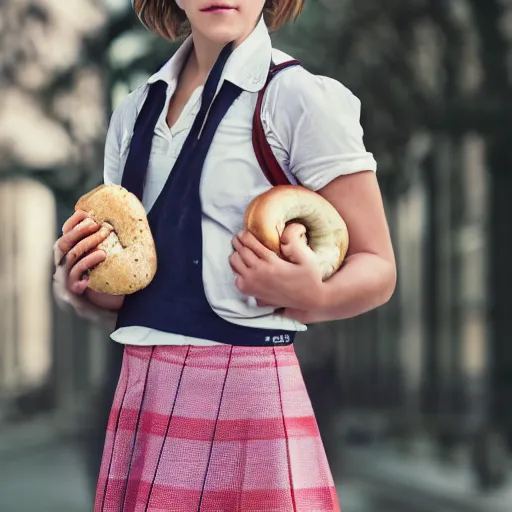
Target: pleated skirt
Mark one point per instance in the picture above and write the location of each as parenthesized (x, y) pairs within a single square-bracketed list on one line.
[(213, 429)]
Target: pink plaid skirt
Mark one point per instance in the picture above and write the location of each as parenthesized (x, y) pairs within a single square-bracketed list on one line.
[(213, 429)]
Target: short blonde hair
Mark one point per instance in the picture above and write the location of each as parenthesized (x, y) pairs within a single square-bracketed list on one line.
[(166, 19)]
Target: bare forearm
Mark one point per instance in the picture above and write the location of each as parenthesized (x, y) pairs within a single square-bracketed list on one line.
[(104, 301), (365, 282)]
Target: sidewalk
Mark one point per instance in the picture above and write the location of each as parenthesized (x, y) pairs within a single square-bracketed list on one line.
[(46, 479), (421, 483)]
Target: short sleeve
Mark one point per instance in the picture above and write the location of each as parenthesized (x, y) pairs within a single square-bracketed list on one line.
[(315, 121), (119, 134), (111, 171)]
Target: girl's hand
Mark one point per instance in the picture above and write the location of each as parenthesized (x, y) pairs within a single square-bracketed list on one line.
[(295, 283), (78, 244)]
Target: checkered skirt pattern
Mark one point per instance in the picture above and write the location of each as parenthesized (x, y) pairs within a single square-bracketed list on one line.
[(213, 429)]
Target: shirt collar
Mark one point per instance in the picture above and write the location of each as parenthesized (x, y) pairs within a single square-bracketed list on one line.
[(247, 67)]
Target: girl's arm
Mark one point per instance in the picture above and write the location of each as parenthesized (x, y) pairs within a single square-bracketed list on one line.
[(104, 300), (318, 131), (97, 308), (81, 304), (368, 277), (365, 281)]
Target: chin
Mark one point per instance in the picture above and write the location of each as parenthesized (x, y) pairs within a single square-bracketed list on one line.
[(221, 34)]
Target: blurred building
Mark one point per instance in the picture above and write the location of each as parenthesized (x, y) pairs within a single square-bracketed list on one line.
[(53, 118)]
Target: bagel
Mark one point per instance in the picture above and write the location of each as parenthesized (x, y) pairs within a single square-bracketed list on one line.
[(268, 215), (131, 255)]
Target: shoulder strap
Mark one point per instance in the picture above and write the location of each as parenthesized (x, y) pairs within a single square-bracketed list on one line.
[(268, 162)]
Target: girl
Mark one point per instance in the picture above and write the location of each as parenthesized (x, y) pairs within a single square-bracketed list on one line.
[(211, 412)]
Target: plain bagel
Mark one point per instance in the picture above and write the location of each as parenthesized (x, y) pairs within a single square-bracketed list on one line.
[(268, 215), (131, 255)]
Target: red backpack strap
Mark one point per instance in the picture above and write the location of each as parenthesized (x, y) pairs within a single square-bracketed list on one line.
[(268, 162)]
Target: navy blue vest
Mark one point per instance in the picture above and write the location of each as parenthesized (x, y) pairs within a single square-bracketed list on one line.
[(175, 300)]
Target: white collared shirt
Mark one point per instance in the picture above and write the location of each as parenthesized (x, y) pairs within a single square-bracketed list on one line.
[(313, 126)]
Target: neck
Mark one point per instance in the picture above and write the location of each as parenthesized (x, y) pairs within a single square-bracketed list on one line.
[(204, 55), (206, 52)]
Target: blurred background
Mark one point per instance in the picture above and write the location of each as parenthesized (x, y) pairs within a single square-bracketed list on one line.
[(413, 400)]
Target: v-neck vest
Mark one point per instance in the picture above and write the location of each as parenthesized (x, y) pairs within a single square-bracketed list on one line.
[(175, 301)]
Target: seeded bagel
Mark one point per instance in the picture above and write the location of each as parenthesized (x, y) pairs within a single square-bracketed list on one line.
[(131, 256)]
